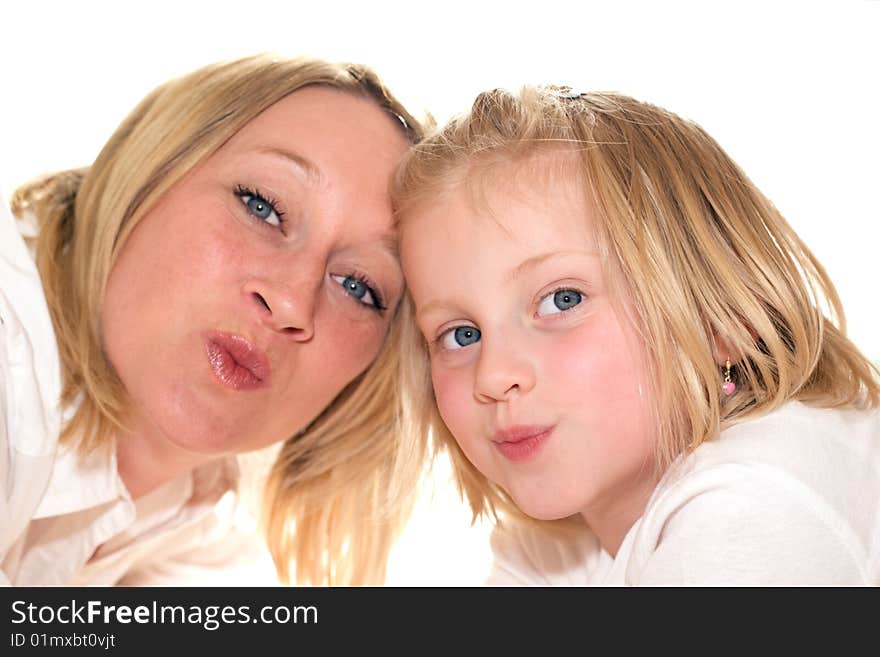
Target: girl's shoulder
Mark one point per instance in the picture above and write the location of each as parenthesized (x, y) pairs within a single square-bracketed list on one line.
[(825, 449), (743, 508), (824, 460), (830, 453), (798, 435)]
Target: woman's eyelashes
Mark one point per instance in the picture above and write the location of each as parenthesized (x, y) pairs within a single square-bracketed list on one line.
[(559, 301), (260, 206), (266, 210), (362, 290)]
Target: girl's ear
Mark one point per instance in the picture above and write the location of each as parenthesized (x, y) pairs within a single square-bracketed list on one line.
[(722, 349)]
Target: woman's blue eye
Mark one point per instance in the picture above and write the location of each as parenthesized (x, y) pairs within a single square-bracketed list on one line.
[(461, 336), (558, 302), (259, 206), (354, 287), (359, 289)]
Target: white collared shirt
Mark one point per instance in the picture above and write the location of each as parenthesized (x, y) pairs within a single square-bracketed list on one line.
[(70, 520)]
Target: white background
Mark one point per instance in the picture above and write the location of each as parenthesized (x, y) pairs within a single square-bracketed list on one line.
[(789, 89)]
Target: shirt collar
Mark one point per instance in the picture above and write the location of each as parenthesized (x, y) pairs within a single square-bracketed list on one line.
[(80, 482)]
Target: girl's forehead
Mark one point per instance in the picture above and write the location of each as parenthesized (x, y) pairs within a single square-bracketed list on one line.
[(543, 190), (533, 174), (525, 208), (487, 185)]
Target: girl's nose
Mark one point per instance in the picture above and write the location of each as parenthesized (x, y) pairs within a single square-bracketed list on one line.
[(503, 371)]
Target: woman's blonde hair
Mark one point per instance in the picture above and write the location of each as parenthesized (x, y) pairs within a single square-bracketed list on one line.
[(336, 480), (702, 253)]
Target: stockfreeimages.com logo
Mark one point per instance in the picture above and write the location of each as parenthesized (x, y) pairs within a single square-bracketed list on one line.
[(210, 617)]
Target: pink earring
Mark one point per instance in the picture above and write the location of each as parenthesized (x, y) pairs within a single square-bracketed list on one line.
[(728, 386)]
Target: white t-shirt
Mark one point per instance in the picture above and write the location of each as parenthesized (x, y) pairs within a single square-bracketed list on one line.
[(67, 520), (788, 499)]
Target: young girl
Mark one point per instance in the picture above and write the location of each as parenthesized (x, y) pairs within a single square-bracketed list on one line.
[(638, 368)]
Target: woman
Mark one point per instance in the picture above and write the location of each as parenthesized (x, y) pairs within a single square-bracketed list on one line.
[(222, 278)]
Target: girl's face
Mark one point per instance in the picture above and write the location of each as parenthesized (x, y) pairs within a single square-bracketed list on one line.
[(264, 281), (537, 375)]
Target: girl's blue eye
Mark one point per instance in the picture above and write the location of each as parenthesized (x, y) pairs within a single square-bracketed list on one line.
[(461, 336), (558, 302), (259, 206), (360, 290)]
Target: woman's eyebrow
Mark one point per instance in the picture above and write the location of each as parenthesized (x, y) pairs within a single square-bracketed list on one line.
[(388, 246), (306, 167), (390, 243)]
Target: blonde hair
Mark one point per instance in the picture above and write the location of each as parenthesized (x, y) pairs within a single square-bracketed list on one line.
[(85, 216), (701, 251)]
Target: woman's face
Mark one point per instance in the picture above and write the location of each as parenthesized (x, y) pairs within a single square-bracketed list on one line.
[(264, 281)]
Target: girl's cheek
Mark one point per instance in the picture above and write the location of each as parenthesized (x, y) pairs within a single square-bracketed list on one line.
[(453, 390), (568, 359)]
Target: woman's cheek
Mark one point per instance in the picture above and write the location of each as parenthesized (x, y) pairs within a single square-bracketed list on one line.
[(350, 345)]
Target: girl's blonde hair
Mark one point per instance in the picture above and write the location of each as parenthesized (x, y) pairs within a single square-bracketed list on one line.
[(337, 480), (701, 251)]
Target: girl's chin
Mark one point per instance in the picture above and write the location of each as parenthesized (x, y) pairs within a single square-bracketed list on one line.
[(540, 509), (548, 514)]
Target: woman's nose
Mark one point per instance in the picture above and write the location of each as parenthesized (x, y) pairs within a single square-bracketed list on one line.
[(286, 307)]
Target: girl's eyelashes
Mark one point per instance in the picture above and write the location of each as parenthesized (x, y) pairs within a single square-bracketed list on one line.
[(260, 206), (362, 290), (458, 337), (559, 301)]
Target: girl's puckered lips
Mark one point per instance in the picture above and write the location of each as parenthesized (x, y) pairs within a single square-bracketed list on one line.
[(521, 442), (236, 362)]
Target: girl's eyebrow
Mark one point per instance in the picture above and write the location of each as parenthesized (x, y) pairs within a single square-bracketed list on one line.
[(529, 263), (534, 261), (433, 306)]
